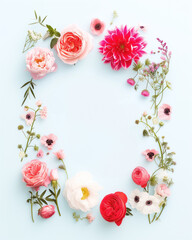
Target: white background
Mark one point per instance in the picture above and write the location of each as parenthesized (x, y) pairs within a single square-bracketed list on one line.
[(92, 111)]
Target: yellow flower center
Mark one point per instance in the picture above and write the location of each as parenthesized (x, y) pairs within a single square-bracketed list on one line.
[(85, 192)]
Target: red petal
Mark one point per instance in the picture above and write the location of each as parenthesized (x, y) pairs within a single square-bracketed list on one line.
[(123, 196)]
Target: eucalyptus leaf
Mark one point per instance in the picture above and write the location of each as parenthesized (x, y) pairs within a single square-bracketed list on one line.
[(53, 42)]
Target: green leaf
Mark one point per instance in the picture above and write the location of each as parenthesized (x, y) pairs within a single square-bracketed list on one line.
[(44, 201), (53, 42), (49, 27), (24, 101), (39, 19), (35, 14), (145, 133), (32, 92), (25, 84), (51, 192), (44, 19), (42, 194), (58, 192), (57, 34)]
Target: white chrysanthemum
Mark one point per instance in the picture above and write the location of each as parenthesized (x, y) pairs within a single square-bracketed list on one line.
[(150, 204), (135, 199), (81, 192), (162, 175)]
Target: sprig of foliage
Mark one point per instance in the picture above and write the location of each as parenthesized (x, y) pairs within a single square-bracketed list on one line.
[(54, 34), (31, 39), (115, 15), (53, 197), (31, 85), (128, 212), (38, 20)]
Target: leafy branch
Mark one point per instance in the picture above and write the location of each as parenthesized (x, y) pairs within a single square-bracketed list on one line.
[(55, 196), (38, 20), (31, 85)]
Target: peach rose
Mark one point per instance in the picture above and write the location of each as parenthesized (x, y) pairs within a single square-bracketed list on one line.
[(40, 62), (35, 174), (73, 45)]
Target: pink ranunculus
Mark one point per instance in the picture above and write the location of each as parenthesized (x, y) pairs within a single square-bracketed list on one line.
[(47, 211), (97, 26), (162, 190), (49, 141), (140, 176), (145, 93), (60, 154), (131, 81), (74, 44), (90, 217), (43, 113), (40, 61), (40, 153), (150, 154), (164, 112), (28, 117), (54, 175), (35, 174)]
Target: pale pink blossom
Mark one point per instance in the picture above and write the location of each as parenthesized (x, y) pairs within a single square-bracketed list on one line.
[(38, 103), (26, 109), (97, 26), (144, 114), (163, 58), (28, 117), (53, 175), (35, 174), (46, 211), (150, 154), (90, 217), (74, 44), (40, 153), (164, 112), (170, 53), (39, 62), (49, 141), (162, 190), (60, 154), (43, 113)]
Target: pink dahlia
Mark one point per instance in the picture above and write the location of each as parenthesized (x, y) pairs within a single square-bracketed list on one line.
[(121, 46)]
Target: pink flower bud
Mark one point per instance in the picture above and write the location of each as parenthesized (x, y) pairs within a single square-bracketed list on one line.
[(131, 81), (162, 190), (47, 211), (38, 103), (145, 93), (90, 217), (53, 175), (170, 53), (163, 58), (140, 176)]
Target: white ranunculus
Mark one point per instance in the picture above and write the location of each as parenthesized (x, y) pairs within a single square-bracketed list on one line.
[(150, 204), (81, 192), (135, 199)]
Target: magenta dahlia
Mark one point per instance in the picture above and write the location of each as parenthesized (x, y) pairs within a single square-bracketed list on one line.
[(121, 46)]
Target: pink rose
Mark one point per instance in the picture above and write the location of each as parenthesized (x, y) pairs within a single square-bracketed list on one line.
[(40, 61), (140, 176), (35, 174), (73, 45), (162, 190), (47, 211), (54, 175)]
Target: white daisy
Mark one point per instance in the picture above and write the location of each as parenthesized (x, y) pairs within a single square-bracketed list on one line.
[(150, 204), (162, 175), (135, 199), (81, 192)]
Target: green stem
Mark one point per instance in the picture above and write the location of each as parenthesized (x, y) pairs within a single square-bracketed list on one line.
[(65, 168), (32, 209), (56, 202), (149, 219), (160, 212), (154, 217)]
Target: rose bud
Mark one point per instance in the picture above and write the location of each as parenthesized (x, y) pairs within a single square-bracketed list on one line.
[(131, 81), (145, 93), (47, 211), (53, 175), (113, 207), (140, 176)]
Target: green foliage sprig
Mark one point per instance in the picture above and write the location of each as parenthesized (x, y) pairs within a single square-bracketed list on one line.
[(31, 85)]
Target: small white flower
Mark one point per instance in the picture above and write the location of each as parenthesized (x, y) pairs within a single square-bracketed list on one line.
[(162, 175), (135, 199), (34, 36), (21, 154), (81, 192), (150, 204), (155, 120)]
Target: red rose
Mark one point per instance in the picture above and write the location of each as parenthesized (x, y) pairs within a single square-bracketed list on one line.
[(140, 176), (113, 208)]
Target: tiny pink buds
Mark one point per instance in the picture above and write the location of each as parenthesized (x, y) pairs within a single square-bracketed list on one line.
[(90, 217), (47, 211), (145, 93), (38, 103), (54, 175), (163, 58), (59, 154), (144, 114), (131, 81), (170, 53)]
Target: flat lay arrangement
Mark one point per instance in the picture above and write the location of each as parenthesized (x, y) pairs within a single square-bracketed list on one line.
[(122, 47)]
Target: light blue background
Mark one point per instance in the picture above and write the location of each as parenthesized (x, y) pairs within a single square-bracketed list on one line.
[(92, 111)]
